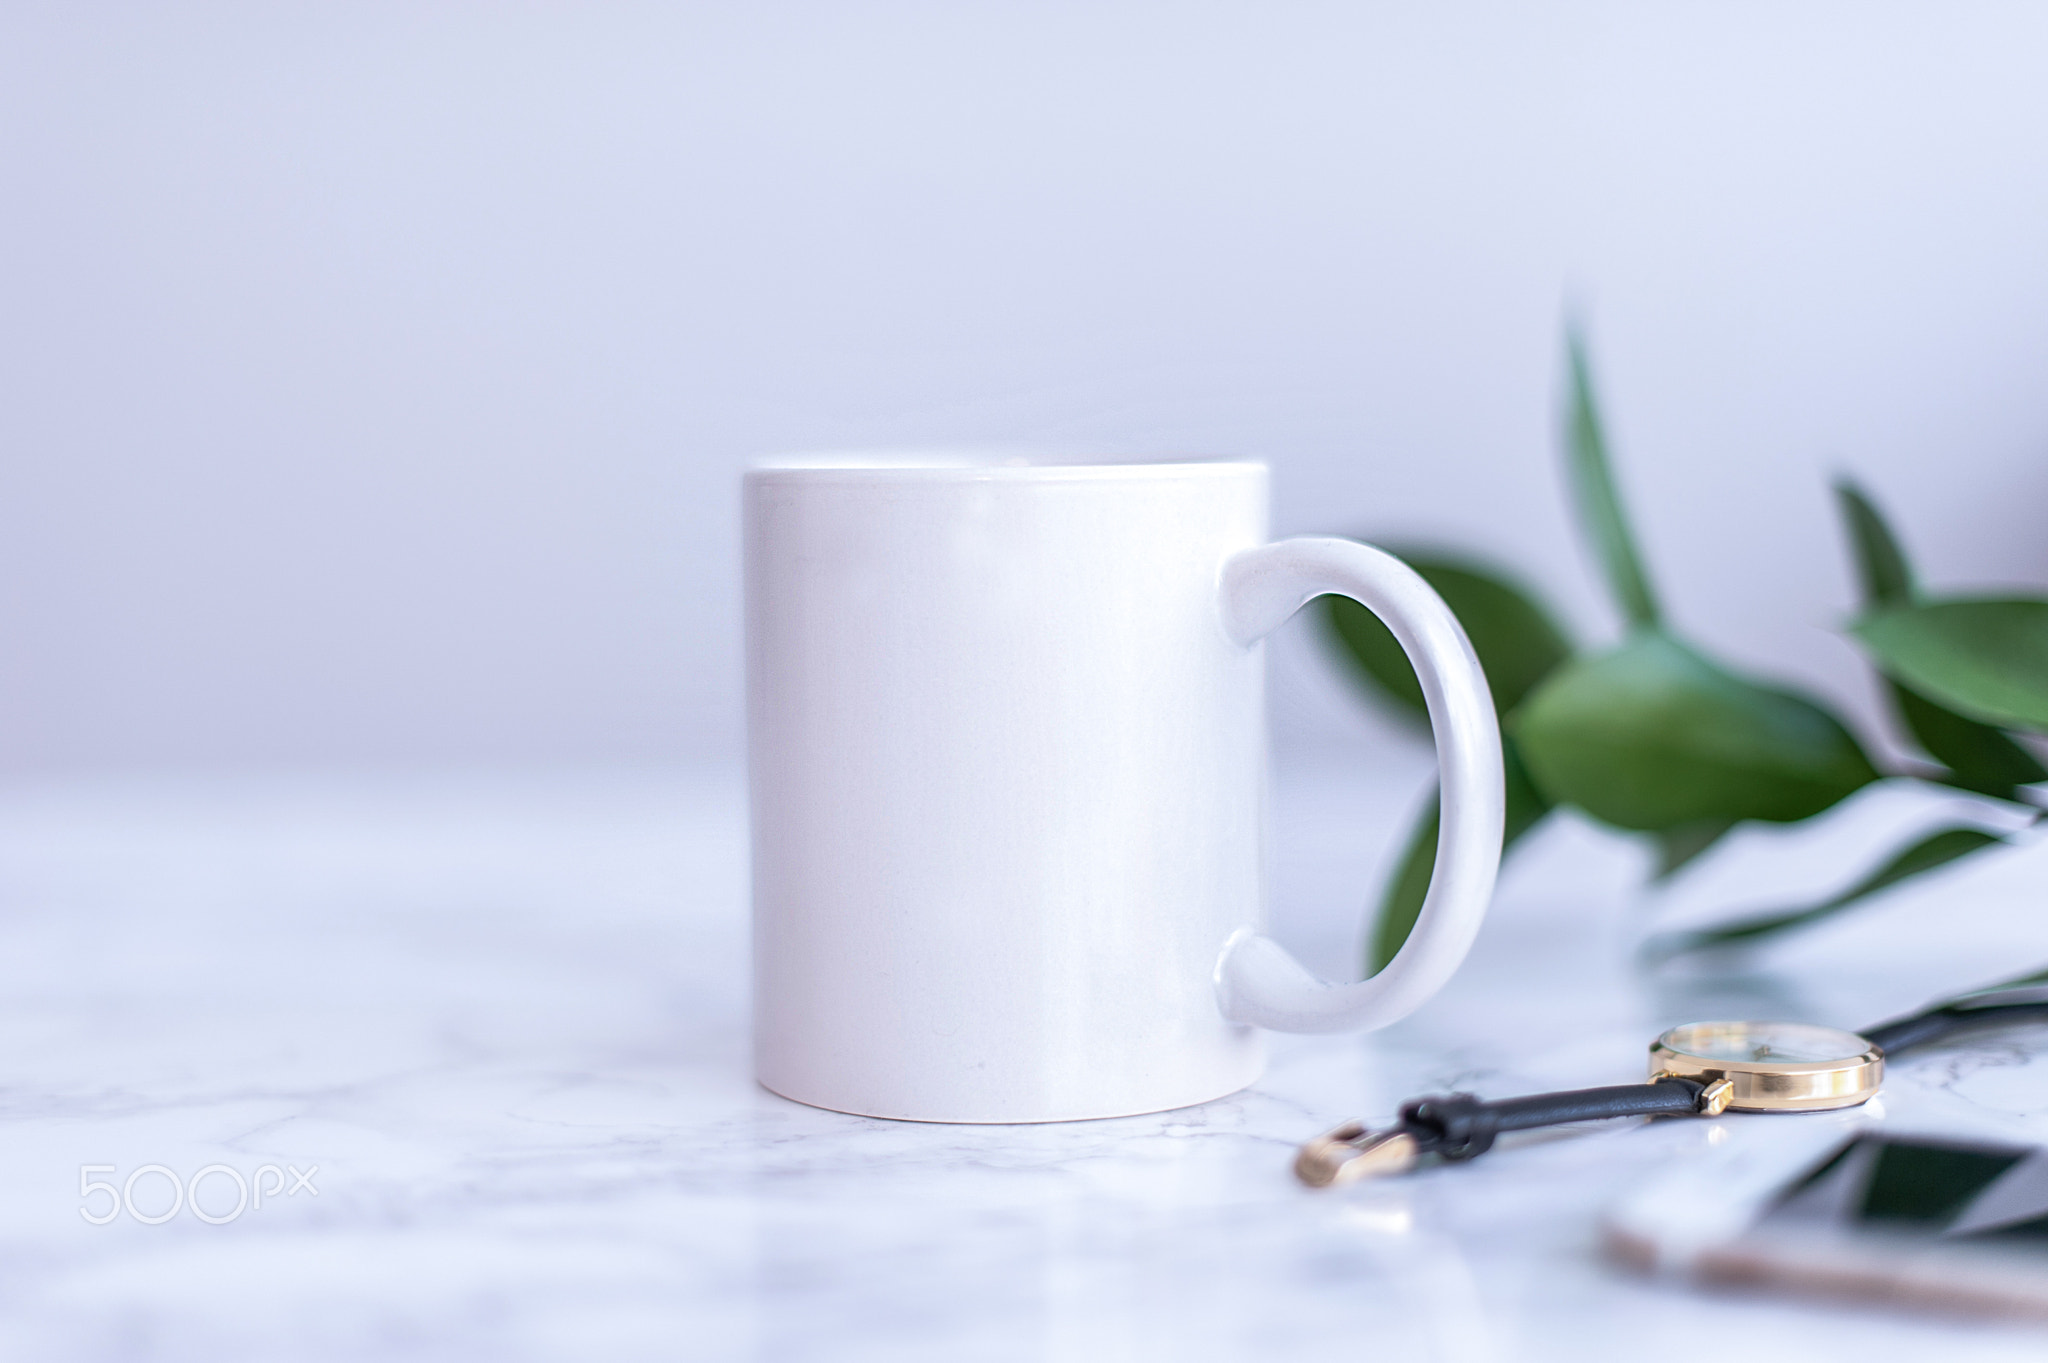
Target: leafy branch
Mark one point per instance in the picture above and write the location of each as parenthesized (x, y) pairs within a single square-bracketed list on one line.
[(1655, 736)]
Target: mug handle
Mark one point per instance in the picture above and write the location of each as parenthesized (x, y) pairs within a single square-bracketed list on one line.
[(1257, 980)]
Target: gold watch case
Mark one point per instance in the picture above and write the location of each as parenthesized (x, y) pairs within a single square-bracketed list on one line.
[(1773, 1066)]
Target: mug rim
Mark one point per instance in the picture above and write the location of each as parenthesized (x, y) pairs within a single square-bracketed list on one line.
[(991, 465)]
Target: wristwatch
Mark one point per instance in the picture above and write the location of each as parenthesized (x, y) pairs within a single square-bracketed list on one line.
[(1701, 1069)]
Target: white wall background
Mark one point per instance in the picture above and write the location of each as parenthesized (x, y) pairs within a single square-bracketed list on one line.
[(374, 378)]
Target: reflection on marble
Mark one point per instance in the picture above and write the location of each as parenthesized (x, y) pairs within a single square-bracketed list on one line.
[(506, 1023)]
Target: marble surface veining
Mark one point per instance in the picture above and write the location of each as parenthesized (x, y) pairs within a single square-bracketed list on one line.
[(496, 1032)]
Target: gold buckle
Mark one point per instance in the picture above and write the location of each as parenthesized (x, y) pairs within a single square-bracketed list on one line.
[(1351, 1152)]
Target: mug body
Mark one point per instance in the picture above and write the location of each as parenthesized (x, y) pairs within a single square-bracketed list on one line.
[(1007, 784)]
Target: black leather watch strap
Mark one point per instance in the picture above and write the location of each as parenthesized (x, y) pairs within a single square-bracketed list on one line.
[(1458, 1126), (1937, 1024)]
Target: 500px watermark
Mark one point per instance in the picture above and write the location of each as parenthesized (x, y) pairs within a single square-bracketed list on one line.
[(184, 1193)]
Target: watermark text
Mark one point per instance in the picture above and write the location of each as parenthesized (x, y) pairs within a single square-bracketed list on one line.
[(216, 1194)]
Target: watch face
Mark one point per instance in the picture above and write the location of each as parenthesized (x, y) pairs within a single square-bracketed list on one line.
[(1765, 1043)]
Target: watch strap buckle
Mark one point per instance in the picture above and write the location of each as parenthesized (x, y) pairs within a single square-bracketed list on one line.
[(1352, 1152)]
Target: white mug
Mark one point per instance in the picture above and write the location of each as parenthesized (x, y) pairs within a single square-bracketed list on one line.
[(1007, 766)]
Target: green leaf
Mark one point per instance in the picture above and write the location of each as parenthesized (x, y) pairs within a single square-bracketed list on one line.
[(1401, 902), (1978, 757), (1938, 849), (1653, 736), (2032, 977), (1987, 659), (1516, 640), (1592, 481), (1679, 847), (1881, 566)]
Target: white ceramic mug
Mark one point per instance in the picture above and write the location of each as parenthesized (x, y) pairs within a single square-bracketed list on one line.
[(1007, 757)]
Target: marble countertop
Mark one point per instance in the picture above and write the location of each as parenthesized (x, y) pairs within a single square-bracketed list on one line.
[(482, 1046)]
